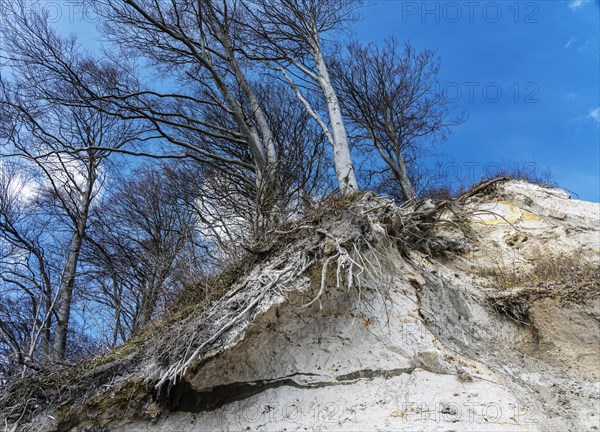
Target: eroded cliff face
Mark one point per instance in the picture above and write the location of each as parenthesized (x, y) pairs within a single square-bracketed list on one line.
[(348, 329)]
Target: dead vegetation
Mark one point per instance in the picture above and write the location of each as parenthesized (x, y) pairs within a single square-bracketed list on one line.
[(66, 390), (566, 277)]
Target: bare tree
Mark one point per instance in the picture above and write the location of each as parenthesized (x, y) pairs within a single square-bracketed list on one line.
[(213, 109), (226, 208), (143, 234), (389, 96), (194, 45), (56, 132), (288, 36), (26, 273)]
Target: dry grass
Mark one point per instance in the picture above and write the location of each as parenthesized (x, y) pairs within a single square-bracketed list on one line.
[(567, 277), (207, 289), (550, 270)]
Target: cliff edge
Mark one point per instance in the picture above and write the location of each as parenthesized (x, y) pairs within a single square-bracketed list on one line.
[(480, 314)]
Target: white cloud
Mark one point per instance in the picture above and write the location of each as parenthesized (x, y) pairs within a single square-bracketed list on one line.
[(595, 115), (577, 4), (570, 42), (16, 185)]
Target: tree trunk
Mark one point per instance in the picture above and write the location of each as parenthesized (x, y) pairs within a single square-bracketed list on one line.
[(267, 184), (259, 115), (405, 183), (344, 169), (47, 323), (65, 297)]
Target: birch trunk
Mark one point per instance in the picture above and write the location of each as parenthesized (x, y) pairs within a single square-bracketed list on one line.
[(344, 169)]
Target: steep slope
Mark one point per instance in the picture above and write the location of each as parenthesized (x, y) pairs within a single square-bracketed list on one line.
[(367, 316)]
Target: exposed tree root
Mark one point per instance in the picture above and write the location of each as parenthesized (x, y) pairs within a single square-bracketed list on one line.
[(352, 245)]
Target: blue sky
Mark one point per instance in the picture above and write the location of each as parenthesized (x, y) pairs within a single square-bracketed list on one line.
[(527, 73)]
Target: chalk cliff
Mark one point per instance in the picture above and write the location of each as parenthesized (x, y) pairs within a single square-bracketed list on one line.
[(480, 314)]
